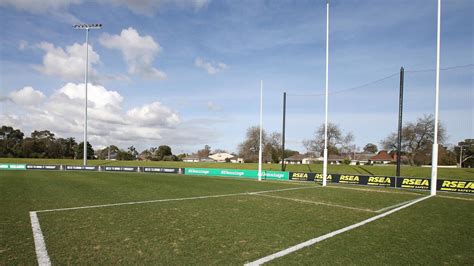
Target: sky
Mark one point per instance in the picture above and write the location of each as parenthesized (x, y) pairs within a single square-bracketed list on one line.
[(186, 73)]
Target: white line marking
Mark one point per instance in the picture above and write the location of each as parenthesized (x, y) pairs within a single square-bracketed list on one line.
[(456, 198), (174, 199), (318, 203), (40, 245), (329, 235), (395, 205), (340, 186)]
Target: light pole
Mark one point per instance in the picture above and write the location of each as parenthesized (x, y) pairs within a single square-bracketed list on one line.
[(86, 27)]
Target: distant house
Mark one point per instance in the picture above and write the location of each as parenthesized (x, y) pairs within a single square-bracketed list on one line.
[(361, 158), (236, 159), (312, 160), (335, 159), (295, 159), (381, 158), (207, 160), (221, 157), (193, 158)]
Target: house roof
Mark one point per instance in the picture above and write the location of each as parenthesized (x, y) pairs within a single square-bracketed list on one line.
[(191, 157), (296, 157), (221, 156), (381, 156), (364, 156)]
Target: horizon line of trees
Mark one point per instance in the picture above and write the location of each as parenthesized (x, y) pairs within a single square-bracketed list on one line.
[(416, 148), (417, 141)]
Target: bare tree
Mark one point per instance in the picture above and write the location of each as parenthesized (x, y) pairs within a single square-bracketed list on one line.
[(249, 148), (417, 138), (337, 141)]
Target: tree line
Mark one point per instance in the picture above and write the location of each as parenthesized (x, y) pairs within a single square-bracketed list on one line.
[(416, 146), (417, 141), (44, 144)]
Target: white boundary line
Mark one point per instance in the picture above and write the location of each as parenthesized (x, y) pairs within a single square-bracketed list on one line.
[(372, 189), (40, 246), (329, 235), (394, 206), (456, 198), (174, 199), (318, 203)]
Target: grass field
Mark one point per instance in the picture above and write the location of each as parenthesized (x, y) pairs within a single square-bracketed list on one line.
[(204, 220), (387, 170)]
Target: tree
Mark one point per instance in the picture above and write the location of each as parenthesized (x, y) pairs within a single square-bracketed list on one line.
[(370, 147), (43, 134), (417, 139), (219, 151), (68, 147), (133, 152), (466, 157), (80, 151), (337, 141), (146, 155), (111, 150), (162, 151), (9, 139), (204, 152), (273, 147), (250, 147)]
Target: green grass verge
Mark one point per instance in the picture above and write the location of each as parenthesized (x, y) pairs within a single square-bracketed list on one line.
[(386, 170), (227, 230)]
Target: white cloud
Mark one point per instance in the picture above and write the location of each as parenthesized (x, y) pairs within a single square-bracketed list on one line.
[(153, 114), (67, 64), (211, 67), (108, 121), (138, 51), (27, 96)]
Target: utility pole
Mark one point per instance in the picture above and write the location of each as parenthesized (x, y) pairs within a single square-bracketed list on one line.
[(400, 118), (283, 166)]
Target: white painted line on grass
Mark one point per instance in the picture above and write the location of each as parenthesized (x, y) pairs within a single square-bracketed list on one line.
[(456, 198), (373, 189), (174, 199), (394, 206), (317, 203), (40, 246), (329, 235)]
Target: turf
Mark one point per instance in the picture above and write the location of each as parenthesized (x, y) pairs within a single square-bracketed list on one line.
[(386, 170), (226, 230)]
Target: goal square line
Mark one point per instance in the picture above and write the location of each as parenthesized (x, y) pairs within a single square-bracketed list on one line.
[(42, 251), (42, 255)]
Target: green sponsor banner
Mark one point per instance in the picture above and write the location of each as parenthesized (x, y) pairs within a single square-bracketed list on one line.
[(276, 175), (270, 175), (12, 166)]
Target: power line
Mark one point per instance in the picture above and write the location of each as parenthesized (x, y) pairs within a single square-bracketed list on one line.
[(379, 80)]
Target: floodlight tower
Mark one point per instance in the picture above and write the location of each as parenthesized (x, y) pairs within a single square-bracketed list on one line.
[(325, 163), (434, 158), (86, 27)]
